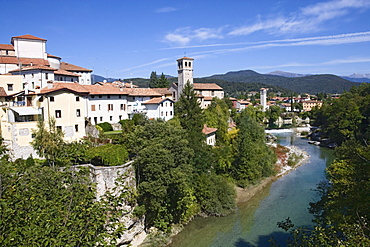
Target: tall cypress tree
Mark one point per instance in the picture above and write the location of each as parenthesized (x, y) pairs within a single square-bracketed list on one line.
[(153, 80)]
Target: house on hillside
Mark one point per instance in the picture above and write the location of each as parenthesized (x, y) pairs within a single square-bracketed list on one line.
[(210, 135)]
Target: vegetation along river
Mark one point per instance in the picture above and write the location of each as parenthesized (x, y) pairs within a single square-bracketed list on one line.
[(255, 222)]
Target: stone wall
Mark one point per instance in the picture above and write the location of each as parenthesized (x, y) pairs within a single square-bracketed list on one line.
[(105, 178)]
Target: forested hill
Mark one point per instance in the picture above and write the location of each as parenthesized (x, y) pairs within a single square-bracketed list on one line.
[(308, 84)]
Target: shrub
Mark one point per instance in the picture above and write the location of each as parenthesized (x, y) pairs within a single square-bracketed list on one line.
[(105, 126), (109, 155)]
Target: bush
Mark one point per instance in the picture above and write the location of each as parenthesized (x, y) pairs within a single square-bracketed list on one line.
[(105, 126), (109, 155)]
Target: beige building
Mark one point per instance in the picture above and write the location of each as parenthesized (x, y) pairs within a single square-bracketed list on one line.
[(309, 104)]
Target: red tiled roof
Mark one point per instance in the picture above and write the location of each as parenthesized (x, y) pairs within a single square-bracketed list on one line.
[(207, 130), (187, 58), (64, 72), (99, 89), (28, 36), (156, 100), (24, 61), (2, 92), (206, 86), (142, 92), (6, 47), (74, 87), (162, 91), (35, 67), (49, 55), (72, 67)]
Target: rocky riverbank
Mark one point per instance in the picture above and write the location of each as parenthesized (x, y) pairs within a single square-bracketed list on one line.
[(289, 158)]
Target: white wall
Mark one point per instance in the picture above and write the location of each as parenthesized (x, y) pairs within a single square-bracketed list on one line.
[(101, 113), (30, 48)]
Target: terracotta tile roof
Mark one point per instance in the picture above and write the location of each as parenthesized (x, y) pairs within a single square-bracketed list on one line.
[(142, 92), (157, 100), (100, 89), (49, 55), (2, 92), (35, 67), (162, 91), (24, 61), (187, 58), (74, 87), (64, 72), (6, 47), (245, 102), (206, 86), (72, 67), (28, 36), (207, 130)]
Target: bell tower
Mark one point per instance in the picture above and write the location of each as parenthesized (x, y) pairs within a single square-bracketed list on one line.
[(184, 72)]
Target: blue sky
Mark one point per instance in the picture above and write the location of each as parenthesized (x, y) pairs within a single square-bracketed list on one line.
[(131, 38)]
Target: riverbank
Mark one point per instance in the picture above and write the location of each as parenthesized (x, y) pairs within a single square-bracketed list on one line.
[(283, 168)]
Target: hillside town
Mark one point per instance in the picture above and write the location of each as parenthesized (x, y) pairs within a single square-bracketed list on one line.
[(34, 83)]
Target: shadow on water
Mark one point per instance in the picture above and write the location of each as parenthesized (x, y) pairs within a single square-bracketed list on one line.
[(280, 238)]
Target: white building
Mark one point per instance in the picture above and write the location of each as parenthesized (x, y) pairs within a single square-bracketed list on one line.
[(28, 52)]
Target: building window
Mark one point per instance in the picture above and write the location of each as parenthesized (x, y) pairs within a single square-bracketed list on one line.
[(10, 87), (61, 79), (76, 127), (108, 96), (110, 118), (92, 107), (78, 113), (59, 128), (120, 117), (46, 76), (82, 80), (51, 99), (33, 85), (92, 96), (71, 79), (58, 113), (170, 113), (166, 114), (99, 107), (119, 96), (32, 75), (110, 107), (101, 119), (213, 93), (100, 96), (161, 113), (171, 104), (77, 98), (123, 107)]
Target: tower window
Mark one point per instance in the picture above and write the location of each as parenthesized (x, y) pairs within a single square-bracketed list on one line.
[(58, 113), (189, 64)]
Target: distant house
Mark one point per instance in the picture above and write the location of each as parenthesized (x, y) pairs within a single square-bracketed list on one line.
[(159, 108), (210, 135), (309, 104)]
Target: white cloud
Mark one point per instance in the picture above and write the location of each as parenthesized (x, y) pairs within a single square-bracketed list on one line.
[(307, 19), (166, 10), (183, 36)]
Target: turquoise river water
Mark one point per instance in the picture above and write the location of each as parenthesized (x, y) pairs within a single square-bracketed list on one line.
[(255, 222)]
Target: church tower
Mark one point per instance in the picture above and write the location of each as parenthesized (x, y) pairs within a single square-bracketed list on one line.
[(184, 72)]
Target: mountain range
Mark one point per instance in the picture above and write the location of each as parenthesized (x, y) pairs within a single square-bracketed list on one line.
[(243, 81)]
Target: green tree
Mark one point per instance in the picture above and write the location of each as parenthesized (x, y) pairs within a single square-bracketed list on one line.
[(163, 168), (48, 141), (217, 115), (153, 80), (162, 82), (273, 113), (190, 115), (47, 206), (253, 158)]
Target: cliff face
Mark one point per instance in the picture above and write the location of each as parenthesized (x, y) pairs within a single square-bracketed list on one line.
[(106, 178)]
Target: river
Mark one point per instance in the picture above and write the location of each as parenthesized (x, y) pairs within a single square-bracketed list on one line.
[(255, 222)]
